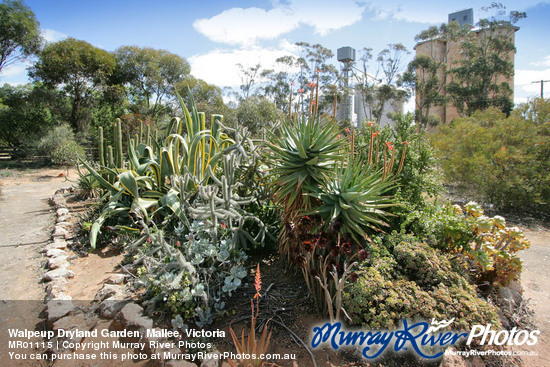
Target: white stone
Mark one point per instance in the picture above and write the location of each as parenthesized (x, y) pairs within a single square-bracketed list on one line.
[(62, 211), (58, 273), (62, 297), (212, 359), (56, 253), (110, 291), (63, 218), (116, 279), (59, 231), (57, 262)]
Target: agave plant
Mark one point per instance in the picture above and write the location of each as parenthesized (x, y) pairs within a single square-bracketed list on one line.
[(355, 200), (152, 179)]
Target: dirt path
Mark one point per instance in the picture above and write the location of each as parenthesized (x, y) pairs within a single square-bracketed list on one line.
[(535, 280), (25, 225)]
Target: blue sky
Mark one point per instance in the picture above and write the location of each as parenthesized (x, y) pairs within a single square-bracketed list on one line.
[(216, 35)]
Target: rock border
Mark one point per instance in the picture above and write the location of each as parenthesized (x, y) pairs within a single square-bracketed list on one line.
[(111, 301)]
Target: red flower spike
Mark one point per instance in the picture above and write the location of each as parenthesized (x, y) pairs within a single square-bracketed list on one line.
[(317, 71), (389, 145), (347, 130), (375, 134), (301, 90), (224, 226), (371, 124), (405, 142), (258, 282)]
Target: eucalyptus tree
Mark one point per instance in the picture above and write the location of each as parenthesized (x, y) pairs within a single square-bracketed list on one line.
[(381, 83), (150, 76), (79, 70), (19, 33), (480, 77)]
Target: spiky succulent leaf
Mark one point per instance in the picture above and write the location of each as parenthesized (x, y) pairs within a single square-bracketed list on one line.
[(356, 199), (304, 153)]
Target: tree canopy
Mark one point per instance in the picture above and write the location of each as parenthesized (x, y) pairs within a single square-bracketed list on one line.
[(79, 69), (151, 75), (19, 32)]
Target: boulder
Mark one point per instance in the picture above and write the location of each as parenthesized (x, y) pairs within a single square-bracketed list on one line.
[(110, 307), (116, 279), (59, 231), (212, 359), (131, 318)]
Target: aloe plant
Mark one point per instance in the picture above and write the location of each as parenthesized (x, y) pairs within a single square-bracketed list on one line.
[(356, 199), (304, 153)]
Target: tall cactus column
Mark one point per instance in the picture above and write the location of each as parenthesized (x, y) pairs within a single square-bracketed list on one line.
[(100, 146), (118, 144)]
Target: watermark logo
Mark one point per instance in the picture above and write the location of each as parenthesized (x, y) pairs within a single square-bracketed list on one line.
[(428, 341), (436, 325), (515, 337)]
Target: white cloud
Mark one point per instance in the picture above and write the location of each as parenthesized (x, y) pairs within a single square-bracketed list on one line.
[(544, 63), (14, 70), (524, 87), (238, 26), (435, 11), (51, 35), (15, 74), (219, 66)]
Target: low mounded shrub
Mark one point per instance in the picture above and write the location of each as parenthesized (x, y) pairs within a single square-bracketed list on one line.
[(408, 279), (60, 146), (487, 244)]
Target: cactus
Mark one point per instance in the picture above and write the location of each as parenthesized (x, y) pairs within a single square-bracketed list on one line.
[(110, 161), (100, 147), (118, 144), (148, 135)]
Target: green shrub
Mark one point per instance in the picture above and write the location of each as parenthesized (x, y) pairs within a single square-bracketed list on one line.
[(67, 153), (60, 147), (488, 245), (425, 265), (411, 280), (498, 159), (441, 225)]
